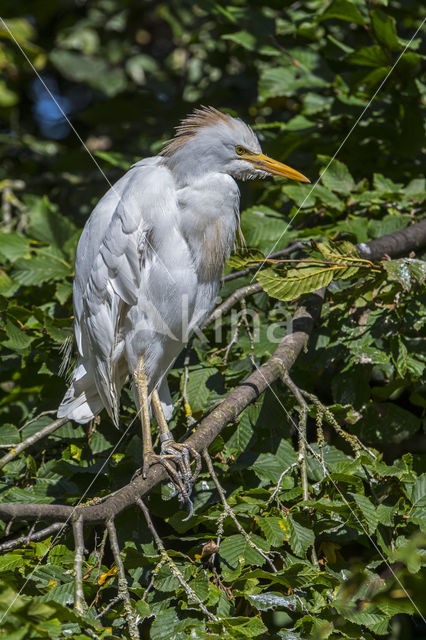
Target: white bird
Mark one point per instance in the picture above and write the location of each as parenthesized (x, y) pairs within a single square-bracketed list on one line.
[(148, 270)]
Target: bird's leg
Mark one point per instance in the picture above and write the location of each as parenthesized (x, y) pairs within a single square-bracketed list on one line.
[(149, 457), (141, 383), (180, 452)]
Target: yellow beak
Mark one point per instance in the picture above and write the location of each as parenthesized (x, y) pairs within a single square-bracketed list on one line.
[(260, 161)]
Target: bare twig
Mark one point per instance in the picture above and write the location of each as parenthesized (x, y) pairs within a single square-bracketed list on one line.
[(354, 442), (277, 254), (229, 512), (303, 416), (232, 300), (109, 606), (101, 550), (170, 562), (79, 602), (280, 479), (35, 437), (123, 589), (35, 536)]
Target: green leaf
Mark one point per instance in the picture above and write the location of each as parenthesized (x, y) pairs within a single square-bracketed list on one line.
[(301, 537), (236, 552), (47, 225), (406, 271), (9, 434), (164, 625), (13, 246), (244, 627), (268, 600), (204, 385), (369, 57), (336, 177), (262, 225), (303, 195), (11, 561), (384, 27), (296, 282), (242, 38), (368, 510), (343, 10), (243, 430), (273, 530), (45, 266), (17, 339)]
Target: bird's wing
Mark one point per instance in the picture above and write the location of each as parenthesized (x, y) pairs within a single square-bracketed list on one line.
[(112, 252)]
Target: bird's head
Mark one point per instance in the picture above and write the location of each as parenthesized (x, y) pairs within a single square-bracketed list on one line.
[(208, 140)]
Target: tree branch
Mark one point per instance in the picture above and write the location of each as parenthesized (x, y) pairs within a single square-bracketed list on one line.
[(227, 411)]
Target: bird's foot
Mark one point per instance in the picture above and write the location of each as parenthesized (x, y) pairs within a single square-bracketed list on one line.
[(181, 454), (175, 457)]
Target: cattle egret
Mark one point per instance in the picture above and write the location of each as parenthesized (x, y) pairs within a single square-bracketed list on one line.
[(148, 270)]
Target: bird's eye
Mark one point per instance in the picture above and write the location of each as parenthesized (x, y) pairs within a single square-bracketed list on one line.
[(240, 150)]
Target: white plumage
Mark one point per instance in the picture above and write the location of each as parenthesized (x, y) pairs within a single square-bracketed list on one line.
[(151, 256)]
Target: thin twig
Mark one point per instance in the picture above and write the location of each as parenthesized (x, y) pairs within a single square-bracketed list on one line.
[(35, 437), (303, 416), (186, 404), (354, 442), (100, 551), (123, 589), (34, 537), (227, 304), (280, 479), (277, 254), (248, 330), (168, 560), (39, 415), (109, 606), (79, 602), (231, 514)]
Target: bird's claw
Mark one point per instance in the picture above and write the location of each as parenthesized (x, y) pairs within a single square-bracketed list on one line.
[(175, 457)]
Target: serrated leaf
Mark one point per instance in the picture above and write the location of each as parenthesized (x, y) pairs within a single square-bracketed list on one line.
[(235, 551), (164, 625), (42, 267), (406, 271), (244, 627), (296, 282), (378, 623), (11, 561), (17, 339), (273, 530), (13, 245), (61, 593), (49, 226), (368, 510), (9, 434), (267, 600), (301, 538), (204, 385), (243, 431)]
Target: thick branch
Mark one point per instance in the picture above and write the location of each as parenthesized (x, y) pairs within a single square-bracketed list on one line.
[(395, 244)]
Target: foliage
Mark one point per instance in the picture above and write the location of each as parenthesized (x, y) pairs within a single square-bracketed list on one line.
[(350, 559)]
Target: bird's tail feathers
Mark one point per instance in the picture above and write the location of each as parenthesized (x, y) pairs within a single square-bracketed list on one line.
[(81, 402)]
